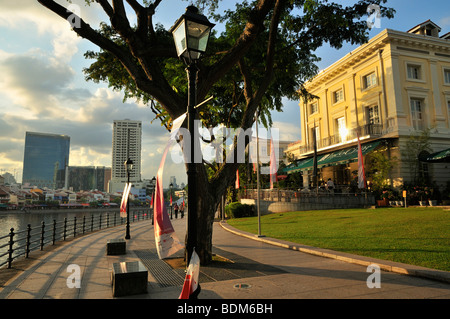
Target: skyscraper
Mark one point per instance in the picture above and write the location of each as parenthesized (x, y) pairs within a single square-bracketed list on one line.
[(126, 144), (45, 161)]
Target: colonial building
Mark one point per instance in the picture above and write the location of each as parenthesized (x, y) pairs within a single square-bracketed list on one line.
[(395, 86)]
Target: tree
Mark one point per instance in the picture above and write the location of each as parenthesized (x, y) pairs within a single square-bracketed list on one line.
[(416, 145), (266, 53)]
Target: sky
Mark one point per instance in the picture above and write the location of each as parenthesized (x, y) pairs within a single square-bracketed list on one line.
[(43, 88)]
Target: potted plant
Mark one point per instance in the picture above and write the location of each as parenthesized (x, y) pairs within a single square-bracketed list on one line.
[(384, 198), (432, 200), (420, 194)]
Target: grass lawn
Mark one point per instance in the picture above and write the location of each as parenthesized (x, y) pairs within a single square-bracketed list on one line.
[(416, 236)]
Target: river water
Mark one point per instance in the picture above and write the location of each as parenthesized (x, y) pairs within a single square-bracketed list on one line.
[(19, 220)]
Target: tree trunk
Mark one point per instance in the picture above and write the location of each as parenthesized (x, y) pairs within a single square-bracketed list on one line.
[(207, 203)]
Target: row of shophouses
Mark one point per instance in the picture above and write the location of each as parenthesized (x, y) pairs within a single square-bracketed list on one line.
[(14, 197), (389, 92)]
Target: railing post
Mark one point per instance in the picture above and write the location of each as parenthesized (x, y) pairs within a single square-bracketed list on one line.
[(28, 240), (100, 221), (65, 228), (54, 232), (74, 226), (115, 219), (92, 222), (42, 235), (11, 243), (107, 220), (84, 223)]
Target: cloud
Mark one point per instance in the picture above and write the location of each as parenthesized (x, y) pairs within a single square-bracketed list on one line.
[(42, 90), (34, 80), (444, 22)]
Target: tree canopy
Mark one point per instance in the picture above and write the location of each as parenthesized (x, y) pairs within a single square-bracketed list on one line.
[(265, 53)]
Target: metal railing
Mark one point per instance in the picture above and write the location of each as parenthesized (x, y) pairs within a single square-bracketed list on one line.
[(281, 195), (22, 242)]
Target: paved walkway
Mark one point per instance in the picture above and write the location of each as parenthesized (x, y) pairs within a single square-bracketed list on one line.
[(280, 270)]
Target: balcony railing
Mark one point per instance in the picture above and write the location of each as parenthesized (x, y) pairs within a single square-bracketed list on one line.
[(371, 130)]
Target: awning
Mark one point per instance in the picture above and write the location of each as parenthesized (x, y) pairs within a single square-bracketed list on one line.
[(344, 156), (438, 157)]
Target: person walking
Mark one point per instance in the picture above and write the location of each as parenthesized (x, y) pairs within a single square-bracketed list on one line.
[(330, 186), (176, 210), (182, 210)]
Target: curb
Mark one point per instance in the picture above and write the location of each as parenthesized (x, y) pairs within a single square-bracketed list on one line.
[(399, 268)]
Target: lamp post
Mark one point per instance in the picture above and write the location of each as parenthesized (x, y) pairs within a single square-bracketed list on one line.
[(170, 199), (191, 34), (128, 167), (153, 197)]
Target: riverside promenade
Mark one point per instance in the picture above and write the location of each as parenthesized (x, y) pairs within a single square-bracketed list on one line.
[(252, 268)]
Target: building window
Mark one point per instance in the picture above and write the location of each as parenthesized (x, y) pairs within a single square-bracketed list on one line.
[(313, 108), (416, 114), (414, 71), (448, 109), (342, 130), (447, 76), (373, 116), (338, 96), (369, 80), (315, 130)]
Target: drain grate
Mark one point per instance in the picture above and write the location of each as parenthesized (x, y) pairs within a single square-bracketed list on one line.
[(160, 270)]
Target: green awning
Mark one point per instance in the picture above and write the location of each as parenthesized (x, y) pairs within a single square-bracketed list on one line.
[(438, 157), (344, 156)]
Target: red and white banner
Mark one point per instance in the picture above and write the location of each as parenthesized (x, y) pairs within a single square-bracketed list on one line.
[(191, 279), (273, 164), (123, 203), (361, 172), (167, 242)]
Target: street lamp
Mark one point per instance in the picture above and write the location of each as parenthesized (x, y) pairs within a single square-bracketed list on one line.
[(170, 199), (128, 167), (191, 34), (153, 197)]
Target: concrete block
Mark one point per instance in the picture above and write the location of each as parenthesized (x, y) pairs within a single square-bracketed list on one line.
[(129, 278), (116, 247)]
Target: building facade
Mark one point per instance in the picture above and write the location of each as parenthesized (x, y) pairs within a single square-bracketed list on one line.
[(393, 87), (46, 159), (89, 178), (126, 143)]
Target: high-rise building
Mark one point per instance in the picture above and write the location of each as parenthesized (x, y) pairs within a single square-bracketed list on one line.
[(89, 178), (46, 159), (126, 144)]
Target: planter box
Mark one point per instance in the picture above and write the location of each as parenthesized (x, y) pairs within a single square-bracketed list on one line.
[(382, 202), (129, 278), (116, 247), (422, 203)]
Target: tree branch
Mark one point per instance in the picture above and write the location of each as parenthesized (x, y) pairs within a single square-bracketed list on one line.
[(253, 27), (170, 101)]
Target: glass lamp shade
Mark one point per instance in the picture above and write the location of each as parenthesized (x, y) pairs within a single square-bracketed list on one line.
[(191, 34), (128, 165)]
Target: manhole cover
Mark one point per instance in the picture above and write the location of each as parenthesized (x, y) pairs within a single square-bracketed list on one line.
[(242, 286)]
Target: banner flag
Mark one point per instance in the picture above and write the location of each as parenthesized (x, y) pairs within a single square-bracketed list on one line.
[(151, 202), (273, 164), (191, 280), (361, 172), (167, 242), (123, 203), (237, 180)]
